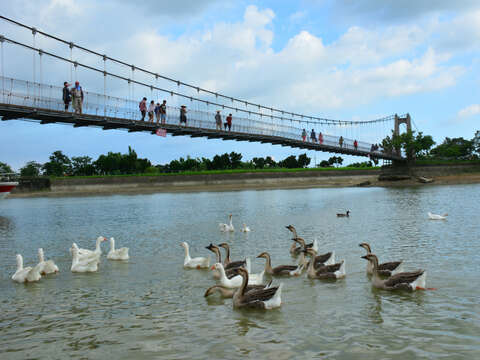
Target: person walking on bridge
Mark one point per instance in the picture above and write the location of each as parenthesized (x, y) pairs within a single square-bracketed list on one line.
[(66, 95), (340, 141), (143, 107), (229, 122), (313, 136), (183, 115), (304, 135), (77, 96), (151, 109), (355, 144), (320, 138), (218, 120), (163, 111)]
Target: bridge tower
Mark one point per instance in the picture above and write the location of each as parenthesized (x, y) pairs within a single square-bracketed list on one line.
[(402, 120)]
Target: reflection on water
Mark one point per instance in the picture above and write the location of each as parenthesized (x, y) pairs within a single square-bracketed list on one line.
[(149, 307)]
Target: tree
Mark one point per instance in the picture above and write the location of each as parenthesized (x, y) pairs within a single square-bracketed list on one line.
[(59, 165), (235, 160), (303, 160), (31, 169), (5, 168), (412, 145), (456, 148), (325, 163), (335, 160), (289, 162), (82, 166), (476, 141), (258, 163)]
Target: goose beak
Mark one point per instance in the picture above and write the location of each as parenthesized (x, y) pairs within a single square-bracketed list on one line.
[(365, 257), (212, 267)]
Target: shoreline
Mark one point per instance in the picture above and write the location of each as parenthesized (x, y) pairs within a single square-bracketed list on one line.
[(258, 183)]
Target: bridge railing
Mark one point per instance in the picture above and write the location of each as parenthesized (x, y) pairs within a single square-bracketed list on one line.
[(49, 97)]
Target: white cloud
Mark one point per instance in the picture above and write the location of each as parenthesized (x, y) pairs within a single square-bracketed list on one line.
[(469, 111)]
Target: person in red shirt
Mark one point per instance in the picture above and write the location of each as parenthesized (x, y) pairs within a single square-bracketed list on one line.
[(355, 144), (229, 122), (143, 107)]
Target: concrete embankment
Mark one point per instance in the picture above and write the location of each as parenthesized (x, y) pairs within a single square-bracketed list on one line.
[(210, 182), (441, 174)]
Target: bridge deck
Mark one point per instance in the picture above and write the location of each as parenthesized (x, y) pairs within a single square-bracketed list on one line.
[(48, 116)]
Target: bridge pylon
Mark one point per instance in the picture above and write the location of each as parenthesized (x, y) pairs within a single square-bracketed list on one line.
[(408, 122)]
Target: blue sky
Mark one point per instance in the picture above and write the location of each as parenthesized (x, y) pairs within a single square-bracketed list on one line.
[(337, 59)]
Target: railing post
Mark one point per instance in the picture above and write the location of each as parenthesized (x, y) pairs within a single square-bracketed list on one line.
[(2, 40), (104, 85)]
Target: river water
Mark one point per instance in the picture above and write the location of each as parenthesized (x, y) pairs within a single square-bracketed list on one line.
[(151, 308)]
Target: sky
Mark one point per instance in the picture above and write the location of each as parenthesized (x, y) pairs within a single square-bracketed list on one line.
[(342, 59)]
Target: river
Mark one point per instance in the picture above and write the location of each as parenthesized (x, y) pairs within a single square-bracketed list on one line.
[(151, 308)]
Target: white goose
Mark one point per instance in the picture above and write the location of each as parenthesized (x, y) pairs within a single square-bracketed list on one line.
[(97, 252), (194, 263), (46, 267), (85, 264), (227, 227), (437, 217), (245, 228), (234, 282), (27, 274), (117, 254)]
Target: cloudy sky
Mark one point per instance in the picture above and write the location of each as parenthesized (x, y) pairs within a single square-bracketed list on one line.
[(345, 60)]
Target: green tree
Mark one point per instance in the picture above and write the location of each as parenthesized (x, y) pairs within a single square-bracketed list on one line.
[(303, 160), (31, 169), (412, 145), (235, 160), (325, 163), (258, 163), (455, 148), (82, 166), (59, 165), (5, 168)]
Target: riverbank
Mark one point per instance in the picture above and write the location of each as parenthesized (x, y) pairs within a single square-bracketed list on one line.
[(441, 175)]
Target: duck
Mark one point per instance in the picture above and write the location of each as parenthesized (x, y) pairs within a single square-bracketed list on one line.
[(294, 250), (234, 282), (437, 217), (117, 254), (26, 274), (228, 263), (228, 293), (323, 259), (245, 228), (409, 281), (264, 299), (194, 263), (227, 227), (216, 275), (83, 264), (281, 270), (324, 272), (347, 214), (385, 269), (84, 256), (46, 267), (97, 252)]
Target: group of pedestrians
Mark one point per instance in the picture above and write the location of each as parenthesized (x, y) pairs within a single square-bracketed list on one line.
[(158, 111), (313, 136), (218, 121), (74, 95)]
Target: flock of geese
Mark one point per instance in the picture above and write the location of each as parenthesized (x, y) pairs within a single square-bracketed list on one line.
[(255, 291), (83, 260)]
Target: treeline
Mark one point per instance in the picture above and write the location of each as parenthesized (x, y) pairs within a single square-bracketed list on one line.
[(422, 146), (112, 163)]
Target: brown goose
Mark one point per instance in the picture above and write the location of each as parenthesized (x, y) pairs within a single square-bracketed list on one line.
[(347, 214), (280, 270), (294, 250), (409, 281), (324, 259), (228, 293), (263, 299), (227, 263), (324, 272), (385, 269), (230, 273)]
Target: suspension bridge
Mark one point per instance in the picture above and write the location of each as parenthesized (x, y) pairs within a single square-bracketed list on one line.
[(34, 100)]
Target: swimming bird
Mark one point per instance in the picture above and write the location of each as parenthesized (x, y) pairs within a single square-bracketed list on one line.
[(437, 217), (27, 274), (227, 227), (97, 252), (288, 270), (256, 278), (85, 264), (385, 269), (216, 275), (195, 263), (228, 263), (234, 282), (117, 254), (324, 272), (264, 299), (47, 267), (323, 259), (347, 214), (409, 281), (245, 228), (228, 293)]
